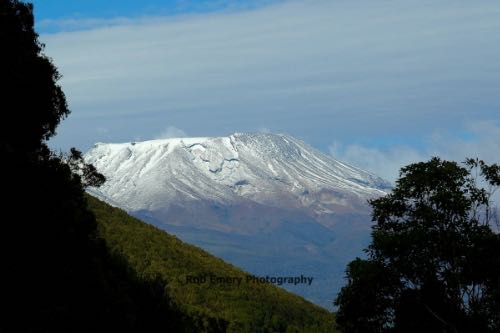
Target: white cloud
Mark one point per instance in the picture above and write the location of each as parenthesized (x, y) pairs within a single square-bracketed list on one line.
[(482, 140), (102, 130), (325, 70), (383, 162), (74, 24), (171, 132)]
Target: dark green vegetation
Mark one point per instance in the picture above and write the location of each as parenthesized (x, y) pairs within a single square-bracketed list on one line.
[(58, 274), (434, 259), (154, 255)]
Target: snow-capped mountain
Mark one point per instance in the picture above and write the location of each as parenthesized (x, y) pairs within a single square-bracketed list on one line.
[(259, 167), (231, 194)]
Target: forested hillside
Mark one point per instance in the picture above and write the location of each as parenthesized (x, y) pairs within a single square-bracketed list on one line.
[(154, 255)]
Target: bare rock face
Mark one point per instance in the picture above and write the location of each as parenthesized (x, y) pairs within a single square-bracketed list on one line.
[(268, 203)]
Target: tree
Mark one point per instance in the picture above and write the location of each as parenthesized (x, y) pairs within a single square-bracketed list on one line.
[(434, 261), (58, 276), (87, 173), (33, 103)]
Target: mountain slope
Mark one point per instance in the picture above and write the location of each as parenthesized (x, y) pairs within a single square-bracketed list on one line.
[(260, 167), (265, 202), (247, 307)]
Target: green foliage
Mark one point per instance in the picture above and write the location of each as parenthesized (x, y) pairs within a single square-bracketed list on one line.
[(57, 274), (434, 262), (154, 254)]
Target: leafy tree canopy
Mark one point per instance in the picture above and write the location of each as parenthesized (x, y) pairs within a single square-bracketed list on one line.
[(434, 261)]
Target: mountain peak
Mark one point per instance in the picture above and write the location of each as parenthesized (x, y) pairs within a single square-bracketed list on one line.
[(255, 166)]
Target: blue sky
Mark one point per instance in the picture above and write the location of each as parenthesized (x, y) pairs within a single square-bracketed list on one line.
[(55, 16), (376, 83), (47, 9), (51, 9)]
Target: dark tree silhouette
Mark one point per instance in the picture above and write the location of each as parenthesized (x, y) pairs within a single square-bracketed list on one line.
[(32, 102), (434, 259), (86, 172), (57, 275)]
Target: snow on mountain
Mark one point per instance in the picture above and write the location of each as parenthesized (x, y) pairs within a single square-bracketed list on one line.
[(268, 203), (260, 167)]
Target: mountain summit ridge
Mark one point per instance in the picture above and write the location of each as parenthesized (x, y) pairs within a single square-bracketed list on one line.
[(258, 167)]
